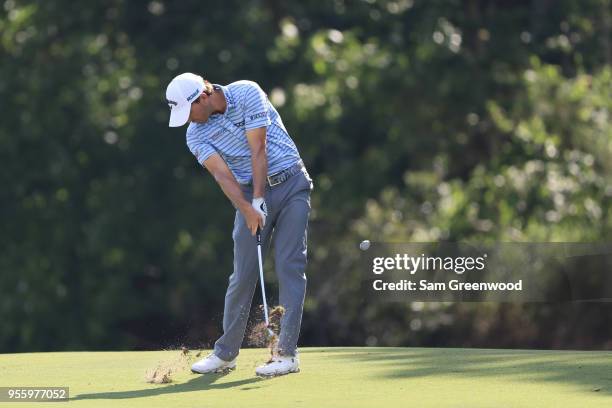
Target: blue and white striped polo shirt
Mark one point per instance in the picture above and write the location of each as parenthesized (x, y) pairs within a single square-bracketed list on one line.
[(248, 108)]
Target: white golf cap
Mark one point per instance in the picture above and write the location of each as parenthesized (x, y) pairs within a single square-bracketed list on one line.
[(180, 93)]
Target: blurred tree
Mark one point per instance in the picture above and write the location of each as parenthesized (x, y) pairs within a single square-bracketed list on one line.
[(420, 120)]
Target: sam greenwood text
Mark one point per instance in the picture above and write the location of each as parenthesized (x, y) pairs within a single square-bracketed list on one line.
[(454, 285)]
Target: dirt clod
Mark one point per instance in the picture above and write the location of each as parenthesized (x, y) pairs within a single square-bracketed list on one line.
[(162, 374), (259, 335)]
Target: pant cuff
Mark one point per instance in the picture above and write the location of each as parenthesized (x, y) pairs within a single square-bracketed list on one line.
[(224, 355)]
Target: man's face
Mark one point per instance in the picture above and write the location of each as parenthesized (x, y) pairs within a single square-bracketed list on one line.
[(200, 109)]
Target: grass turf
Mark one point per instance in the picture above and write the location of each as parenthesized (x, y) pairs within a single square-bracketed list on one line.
[(330, 377)]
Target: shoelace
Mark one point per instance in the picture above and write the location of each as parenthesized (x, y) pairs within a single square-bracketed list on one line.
[(271, 360)]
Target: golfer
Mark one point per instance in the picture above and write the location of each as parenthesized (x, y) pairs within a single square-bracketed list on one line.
[(239, 137)]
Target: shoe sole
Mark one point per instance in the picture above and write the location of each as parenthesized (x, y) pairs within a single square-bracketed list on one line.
[(217, 371), (297, 370)]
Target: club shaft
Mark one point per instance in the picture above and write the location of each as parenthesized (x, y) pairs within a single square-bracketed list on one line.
[(263, 288)]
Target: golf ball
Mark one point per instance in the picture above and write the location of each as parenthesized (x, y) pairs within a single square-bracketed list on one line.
[(365, 244)]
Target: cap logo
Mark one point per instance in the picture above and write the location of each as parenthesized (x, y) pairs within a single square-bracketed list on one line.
[(170, 103), (193, 95)]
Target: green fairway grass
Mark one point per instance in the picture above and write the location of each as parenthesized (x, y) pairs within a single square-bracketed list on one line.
[(330, 377)]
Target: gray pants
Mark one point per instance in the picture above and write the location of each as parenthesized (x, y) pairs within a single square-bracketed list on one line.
[(288, 210)]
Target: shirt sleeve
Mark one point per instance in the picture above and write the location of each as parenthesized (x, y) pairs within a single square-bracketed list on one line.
[(199, 148), (256, 107)]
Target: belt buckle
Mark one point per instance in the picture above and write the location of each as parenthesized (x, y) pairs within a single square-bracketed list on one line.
[(272, 184)]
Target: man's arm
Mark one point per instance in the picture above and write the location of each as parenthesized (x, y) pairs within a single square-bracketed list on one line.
[(259, 161), (226, 180)]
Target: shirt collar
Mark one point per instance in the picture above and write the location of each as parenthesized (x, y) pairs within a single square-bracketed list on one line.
[(229, 98)]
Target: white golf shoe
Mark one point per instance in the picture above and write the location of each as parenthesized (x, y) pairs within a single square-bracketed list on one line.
[(279, 365), (212, 364)]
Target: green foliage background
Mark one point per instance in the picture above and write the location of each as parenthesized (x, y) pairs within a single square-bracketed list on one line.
[(419, 121)]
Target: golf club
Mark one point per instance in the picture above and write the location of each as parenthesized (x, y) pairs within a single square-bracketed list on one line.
[(261, 280)]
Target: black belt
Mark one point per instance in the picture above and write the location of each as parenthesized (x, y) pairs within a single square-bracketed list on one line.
[(283, 175)]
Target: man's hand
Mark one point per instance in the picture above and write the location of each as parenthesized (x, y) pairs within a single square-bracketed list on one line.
[(253, 219), (259, 205)]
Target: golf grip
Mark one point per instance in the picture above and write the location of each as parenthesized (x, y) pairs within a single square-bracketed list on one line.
[(261, 277)]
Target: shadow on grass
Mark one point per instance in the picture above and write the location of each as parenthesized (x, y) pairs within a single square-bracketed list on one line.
[(590, 371), (198, 383)]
